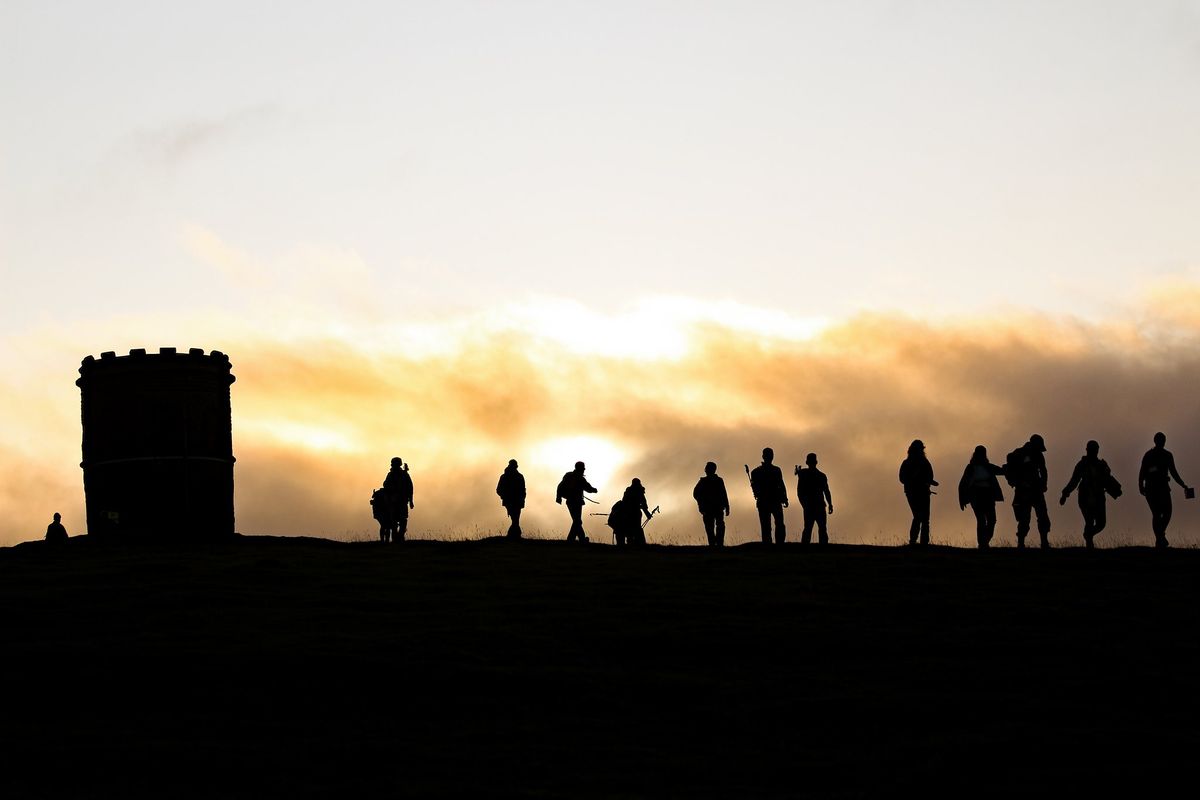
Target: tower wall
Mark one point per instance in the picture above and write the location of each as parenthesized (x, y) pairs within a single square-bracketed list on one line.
[(158, 444)]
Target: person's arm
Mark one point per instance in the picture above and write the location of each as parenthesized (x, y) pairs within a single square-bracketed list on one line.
[(1142, 472), (828, 496), (782, 488), (587, 487), (1175, 472), (1076, 477), (903, 470)]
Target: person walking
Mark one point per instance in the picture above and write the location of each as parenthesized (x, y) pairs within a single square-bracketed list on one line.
[(1025, 470), (979, 489), (571, 489), (1094, 480), (634, 506), (511, 488), (713, 503), (1154, 483), (770, 496), (916, 475), (812, 490), (398, 488)]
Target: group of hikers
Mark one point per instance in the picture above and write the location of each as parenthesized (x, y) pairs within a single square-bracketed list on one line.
[(1024, 469)]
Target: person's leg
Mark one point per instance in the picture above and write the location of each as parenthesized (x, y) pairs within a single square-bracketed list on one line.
[(979, 508), (919, 503), (710, 521), (1160, 505), (764, 523), (1043, 519), (809, 519), (1099, 515), (514, 530), (822, 525), (991, 520), (401, 525), (1085, 508), (915, 527), (780, 527), (576, 531), (720, 540), (1021, 510)]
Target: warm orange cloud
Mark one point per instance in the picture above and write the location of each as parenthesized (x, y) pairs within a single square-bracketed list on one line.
[(317, 417)]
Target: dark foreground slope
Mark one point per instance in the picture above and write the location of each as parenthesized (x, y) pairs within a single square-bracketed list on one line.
[(302, 667)]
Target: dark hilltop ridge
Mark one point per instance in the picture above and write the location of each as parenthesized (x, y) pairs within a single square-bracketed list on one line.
[(259, 666)]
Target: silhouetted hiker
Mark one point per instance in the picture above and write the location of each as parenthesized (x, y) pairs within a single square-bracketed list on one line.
[(571, 488), (1154, 481), (916, 473), (628, 523), (398, 491), (55, 532), (812, 490), (713, 502), (1094, 479), (980, 489), (1025, 470), (770, 496), (511, 488)]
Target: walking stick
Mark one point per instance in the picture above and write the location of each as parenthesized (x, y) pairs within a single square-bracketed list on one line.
[(652, 513)]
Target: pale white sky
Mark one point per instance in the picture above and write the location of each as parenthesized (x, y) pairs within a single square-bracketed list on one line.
[(814, 157)]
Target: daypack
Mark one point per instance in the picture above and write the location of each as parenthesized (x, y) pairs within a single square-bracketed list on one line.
[(1014, 466), (379, 504), (614, 513)]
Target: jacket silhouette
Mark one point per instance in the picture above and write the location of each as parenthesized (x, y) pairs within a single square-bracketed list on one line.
[(570, 490), (1025, 470), (1094, 480), (713, 503), (56, 532), (812, 490), (511, 488), (916, 474), (627, 524), (398, 496), (1154, 482), (979, 489), (770, 496)]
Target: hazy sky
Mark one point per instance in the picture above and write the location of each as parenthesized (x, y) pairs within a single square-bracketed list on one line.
[(400, 180)]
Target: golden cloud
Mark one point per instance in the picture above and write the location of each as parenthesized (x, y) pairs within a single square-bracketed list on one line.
[(318, 416)]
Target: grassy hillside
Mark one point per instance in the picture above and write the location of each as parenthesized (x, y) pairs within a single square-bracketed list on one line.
[(305, 667)]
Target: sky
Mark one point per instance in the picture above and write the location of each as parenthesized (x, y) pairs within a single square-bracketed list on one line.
[(645, 235)]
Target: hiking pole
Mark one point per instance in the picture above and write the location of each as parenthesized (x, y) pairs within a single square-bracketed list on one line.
[(751, 480), (652, 513)]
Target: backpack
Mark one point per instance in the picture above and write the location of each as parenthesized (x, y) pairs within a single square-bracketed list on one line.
[(614, 513), (379, 505), (1014, 466)]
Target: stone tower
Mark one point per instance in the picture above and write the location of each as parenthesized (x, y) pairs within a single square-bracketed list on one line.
[(157, 444)]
